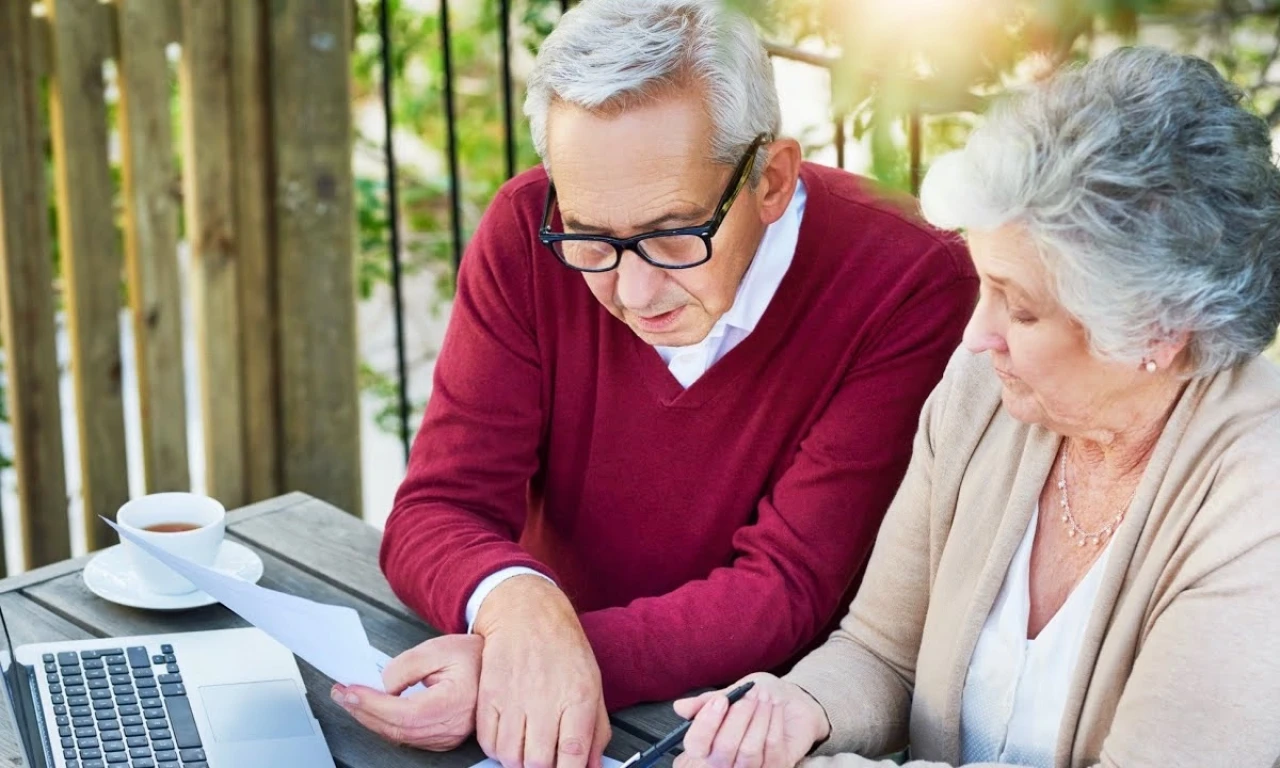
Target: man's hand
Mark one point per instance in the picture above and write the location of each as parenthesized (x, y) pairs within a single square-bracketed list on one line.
[(541, 704), (774, 726), (437, 719)]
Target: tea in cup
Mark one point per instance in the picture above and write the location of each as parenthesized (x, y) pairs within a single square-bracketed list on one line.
[(186, 524)]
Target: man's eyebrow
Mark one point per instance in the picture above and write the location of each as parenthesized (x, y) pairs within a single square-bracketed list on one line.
[(670, 220)]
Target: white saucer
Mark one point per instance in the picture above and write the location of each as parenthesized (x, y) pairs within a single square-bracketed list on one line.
[(110, 575)]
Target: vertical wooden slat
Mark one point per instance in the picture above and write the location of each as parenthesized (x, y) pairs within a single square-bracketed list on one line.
[(207, 129), (91, 259), (152, 192), (314, 205), (27, 302), (252, 141)]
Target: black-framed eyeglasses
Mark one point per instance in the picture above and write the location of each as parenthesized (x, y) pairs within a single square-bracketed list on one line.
[(680, 248)]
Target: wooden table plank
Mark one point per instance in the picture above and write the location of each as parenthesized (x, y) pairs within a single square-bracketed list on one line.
[(91, 260)]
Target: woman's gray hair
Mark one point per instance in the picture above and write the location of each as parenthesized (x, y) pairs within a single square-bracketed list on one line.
[(611, 54), (1151, 193)]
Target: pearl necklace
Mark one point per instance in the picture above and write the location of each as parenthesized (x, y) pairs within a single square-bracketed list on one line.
[(1074, 531)]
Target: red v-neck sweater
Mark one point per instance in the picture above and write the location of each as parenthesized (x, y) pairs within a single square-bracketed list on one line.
[(701, 533)]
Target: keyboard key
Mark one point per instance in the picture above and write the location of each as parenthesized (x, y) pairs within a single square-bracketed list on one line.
[(67, 741), (137, 741), (52, 679), (145, 682), (115, 658), (144, 762), (166, 755), (169, 764), (138, 657), (57, 699), (108, 725), (69, 754), (105, 714), (126, 700), (162, 745), (78, 701), (72, 764), (117, 757), (129, 709), (72, 680), (120, 670), (88, 742), (112, 736), (174, 689), (84, 733), (162, 734), (81, 712), (149, 693), (166, 648), (131, 720), (69, 671), (140, 752), (68, 659), (101, 704), (82, 722), (151, 703), (157, 659), (55, 688), (183, 722), (100, 693), (100, 684), (143, 673), (61, 711), (95, 674), (192, 755), (50, 668), (170, 678), (121, 680), (116, 746), (201, 764), (64, 730), (90, 753), (72, 690), (94, 663), (111, 653), (122, 690), (48, 657), (157, 725), (135, 730), (93, 764), (153, 714), (171, 669)]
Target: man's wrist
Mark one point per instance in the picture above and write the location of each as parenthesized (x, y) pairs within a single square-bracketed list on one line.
[(519, 593), (490, 583)]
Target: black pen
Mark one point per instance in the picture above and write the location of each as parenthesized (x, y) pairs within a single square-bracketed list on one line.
[(651, 755)]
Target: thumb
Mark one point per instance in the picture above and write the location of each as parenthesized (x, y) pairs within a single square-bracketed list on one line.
[(416, 665), (689, 708)]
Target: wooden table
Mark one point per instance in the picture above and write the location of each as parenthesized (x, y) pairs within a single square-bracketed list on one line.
[(309, 548)]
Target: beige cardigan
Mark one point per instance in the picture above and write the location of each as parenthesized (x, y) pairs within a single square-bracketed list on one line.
[(1180, 664)]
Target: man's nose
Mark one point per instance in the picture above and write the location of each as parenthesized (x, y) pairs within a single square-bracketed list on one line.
[(639, 282)]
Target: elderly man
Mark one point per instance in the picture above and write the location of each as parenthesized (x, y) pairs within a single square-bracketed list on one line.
[(676, 396)]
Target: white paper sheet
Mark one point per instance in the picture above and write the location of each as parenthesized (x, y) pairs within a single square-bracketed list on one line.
[(329, 637)]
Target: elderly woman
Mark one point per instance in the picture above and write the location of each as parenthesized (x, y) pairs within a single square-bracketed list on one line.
[(1082, 565)]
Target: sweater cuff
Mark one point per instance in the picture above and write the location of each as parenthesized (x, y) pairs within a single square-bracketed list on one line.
[(829, 694)]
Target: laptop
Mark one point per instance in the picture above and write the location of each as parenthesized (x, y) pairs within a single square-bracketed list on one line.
[(214, 699)]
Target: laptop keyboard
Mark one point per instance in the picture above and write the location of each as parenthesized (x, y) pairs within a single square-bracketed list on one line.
[(122, 708)]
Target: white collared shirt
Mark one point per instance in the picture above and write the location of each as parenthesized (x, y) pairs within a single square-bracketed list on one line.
[(687, 364), (1016, 689)]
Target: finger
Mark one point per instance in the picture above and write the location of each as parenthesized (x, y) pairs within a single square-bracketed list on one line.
[(689, 707), (511, 740), (697, 742), (414, 666), (724, 750), (751, 750), (541, 732), (775, 741), (487, 727), (577, 736), (409, 714), (603, 735)]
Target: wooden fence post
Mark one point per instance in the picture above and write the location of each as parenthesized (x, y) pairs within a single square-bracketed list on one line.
[(26, 302), (152, 192), (206, 98), (91, 258)]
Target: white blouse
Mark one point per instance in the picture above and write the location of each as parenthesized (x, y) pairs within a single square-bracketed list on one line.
[(1016, 688)]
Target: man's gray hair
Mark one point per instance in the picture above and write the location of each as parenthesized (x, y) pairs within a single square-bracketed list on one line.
[(611, 54), (1152, 194)]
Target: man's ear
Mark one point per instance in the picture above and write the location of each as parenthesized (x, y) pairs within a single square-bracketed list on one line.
[(778, 183)]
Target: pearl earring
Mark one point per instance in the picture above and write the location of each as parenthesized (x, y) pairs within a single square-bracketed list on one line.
[(1150, 365)]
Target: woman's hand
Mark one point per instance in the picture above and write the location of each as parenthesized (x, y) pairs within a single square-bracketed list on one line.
[(774, 726)]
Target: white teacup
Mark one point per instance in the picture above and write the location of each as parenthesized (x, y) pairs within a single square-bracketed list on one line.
[(199, 544)]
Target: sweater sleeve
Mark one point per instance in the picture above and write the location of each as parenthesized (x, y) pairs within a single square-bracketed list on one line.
[(812, 531), (459, 512)]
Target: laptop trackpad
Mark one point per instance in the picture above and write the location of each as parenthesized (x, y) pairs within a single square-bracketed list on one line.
[(256, 711)]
